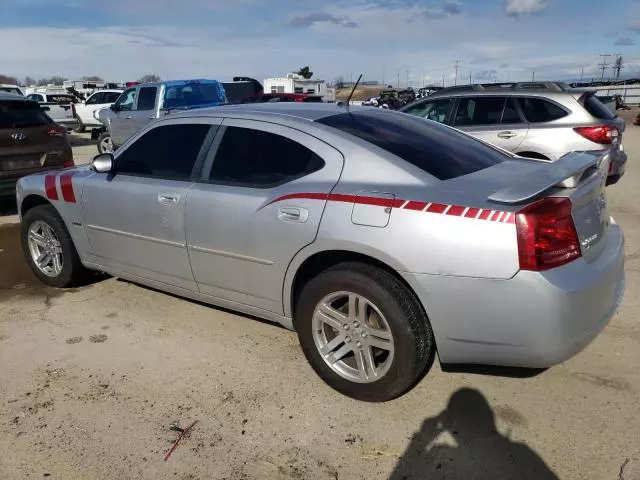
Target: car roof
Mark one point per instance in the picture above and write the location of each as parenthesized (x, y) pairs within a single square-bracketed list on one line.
[(301, 111), (505, 93), (12, 96)]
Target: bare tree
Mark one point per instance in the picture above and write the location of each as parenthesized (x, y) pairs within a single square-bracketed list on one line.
[(55, 80), (28, 81), (339, 82), (149, 78), (8, 79)]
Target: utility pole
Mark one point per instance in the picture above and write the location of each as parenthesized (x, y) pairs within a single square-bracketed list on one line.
[(457, 65), (603, 66), (443, 80), (470, 82), (617, 66), (407, 78), (581, 73), (533, 76), (384, 69)]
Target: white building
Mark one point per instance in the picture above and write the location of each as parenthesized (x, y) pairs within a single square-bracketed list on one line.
[(294, 83)]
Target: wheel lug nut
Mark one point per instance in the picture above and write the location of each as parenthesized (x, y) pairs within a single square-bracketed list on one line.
[(347, 340), (346, 327), (365, 334), (359, 344)]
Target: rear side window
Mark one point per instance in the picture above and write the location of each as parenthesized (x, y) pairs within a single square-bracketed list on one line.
[(254, 158), (596, 108), (147, 98), (438, 150), (169, 151), (22, 114), (538, 110), (59, 99), (479, 111), (436, 110)]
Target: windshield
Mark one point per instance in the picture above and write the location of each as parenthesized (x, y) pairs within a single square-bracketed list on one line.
[(22, 114), (193, 94), (441, 151)]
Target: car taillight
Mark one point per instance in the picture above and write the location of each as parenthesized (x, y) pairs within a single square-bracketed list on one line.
[(68, 163), (547, 236), (602, 134), (56, 130)]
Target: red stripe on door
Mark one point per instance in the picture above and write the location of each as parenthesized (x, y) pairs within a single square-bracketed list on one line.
[(50, 187), (66, 186)]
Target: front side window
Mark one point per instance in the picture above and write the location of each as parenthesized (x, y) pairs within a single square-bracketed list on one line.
[(436, 110), (168, 151), (110, 97), (436, 149), (474, 111), (147, 98), (95, 99), (538, 110), (254, 158), (35, 97), (126, 100)]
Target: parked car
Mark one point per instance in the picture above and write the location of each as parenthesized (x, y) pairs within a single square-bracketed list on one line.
[(29, 142), (336, 223), (141, 104), (59, 106), (8, 88), (284, 97), (98, 100), (543, 121), (608, 101)]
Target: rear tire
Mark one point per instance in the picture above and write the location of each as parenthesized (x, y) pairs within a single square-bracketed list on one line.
[(80, 128), (71, 272), (375, 369), (105, 143)]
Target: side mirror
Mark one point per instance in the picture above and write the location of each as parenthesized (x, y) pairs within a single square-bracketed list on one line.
[(102, 163)]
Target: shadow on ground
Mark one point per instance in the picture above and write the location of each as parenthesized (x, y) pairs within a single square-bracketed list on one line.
[(462, 442), (8, 206), (81, 141)]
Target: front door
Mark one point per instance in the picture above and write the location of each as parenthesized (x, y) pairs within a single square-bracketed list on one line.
[(495, 120), (120, 124), (144, 111), (134, 218), (257, 205)]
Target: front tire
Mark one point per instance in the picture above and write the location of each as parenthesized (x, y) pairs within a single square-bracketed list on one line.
[(49, 249), (363, 332), (105, 143), (80, 128)]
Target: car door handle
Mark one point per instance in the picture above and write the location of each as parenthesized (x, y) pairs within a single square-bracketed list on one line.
[(129, 117), (507, 134), (293, 214), (168, 198)]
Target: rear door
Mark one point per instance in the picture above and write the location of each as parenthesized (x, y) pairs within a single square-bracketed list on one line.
[(496, 120), (253, 210), (134, 219)]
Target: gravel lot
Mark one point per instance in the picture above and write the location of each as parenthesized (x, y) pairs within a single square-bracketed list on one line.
[(92, 381)]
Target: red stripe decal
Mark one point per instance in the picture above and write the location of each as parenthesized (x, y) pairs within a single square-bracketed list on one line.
[(50, 187), (397, 203), (413, 205), (455, 210), (485, 215), (472, 212), (437, 208), (66, 186)]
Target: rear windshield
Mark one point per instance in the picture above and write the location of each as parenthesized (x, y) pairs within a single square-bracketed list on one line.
[(596, 108), (192, 94), (441, 151), (60, 99), (18, 114)]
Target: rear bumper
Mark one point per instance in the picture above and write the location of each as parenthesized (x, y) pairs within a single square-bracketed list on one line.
[(68, 123), (531, 320), (618, 162)]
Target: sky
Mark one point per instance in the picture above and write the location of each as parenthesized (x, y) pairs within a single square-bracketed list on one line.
[(405, 41)]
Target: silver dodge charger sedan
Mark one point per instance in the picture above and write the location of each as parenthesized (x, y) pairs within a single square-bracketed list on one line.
[(379, 237)]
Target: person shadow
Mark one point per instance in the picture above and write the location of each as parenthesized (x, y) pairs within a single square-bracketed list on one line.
[(462, 442)]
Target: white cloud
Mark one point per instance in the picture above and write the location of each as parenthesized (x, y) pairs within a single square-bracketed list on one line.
[(516, 8)]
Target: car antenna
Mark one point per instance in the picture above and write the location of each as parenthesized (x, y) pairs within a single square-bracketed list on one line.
[(352, 92)]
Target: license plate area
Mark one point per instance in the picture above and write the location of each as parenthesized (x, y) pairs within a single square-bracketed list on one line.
[(22, 162)]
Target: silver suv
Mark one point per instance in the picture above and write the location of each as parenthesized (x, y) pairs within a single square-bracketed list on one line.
[(544, 120)]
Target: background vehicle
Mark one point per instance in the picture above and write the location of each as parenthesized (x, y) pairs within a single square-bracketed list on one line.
[(7, 88), (335, 222), (543, 120), (29, 141), (141, 104), (283, 97), (97, 101), (59, 106)]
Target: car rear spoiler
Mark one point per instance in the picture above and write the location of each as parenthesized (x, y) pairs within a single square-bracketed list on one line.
[(566, 172)]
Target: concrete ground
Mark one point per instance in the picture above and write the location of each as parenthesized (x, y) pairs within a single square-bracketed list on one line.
[(95, 381)]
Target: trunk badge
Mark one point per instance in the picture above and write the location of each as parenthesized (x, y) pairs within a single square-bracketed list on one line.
[(18, 136)]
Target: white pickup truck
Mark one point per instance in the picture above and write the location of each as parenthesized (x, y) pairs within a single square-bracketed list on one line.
[(59, 107), (97, 100)]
